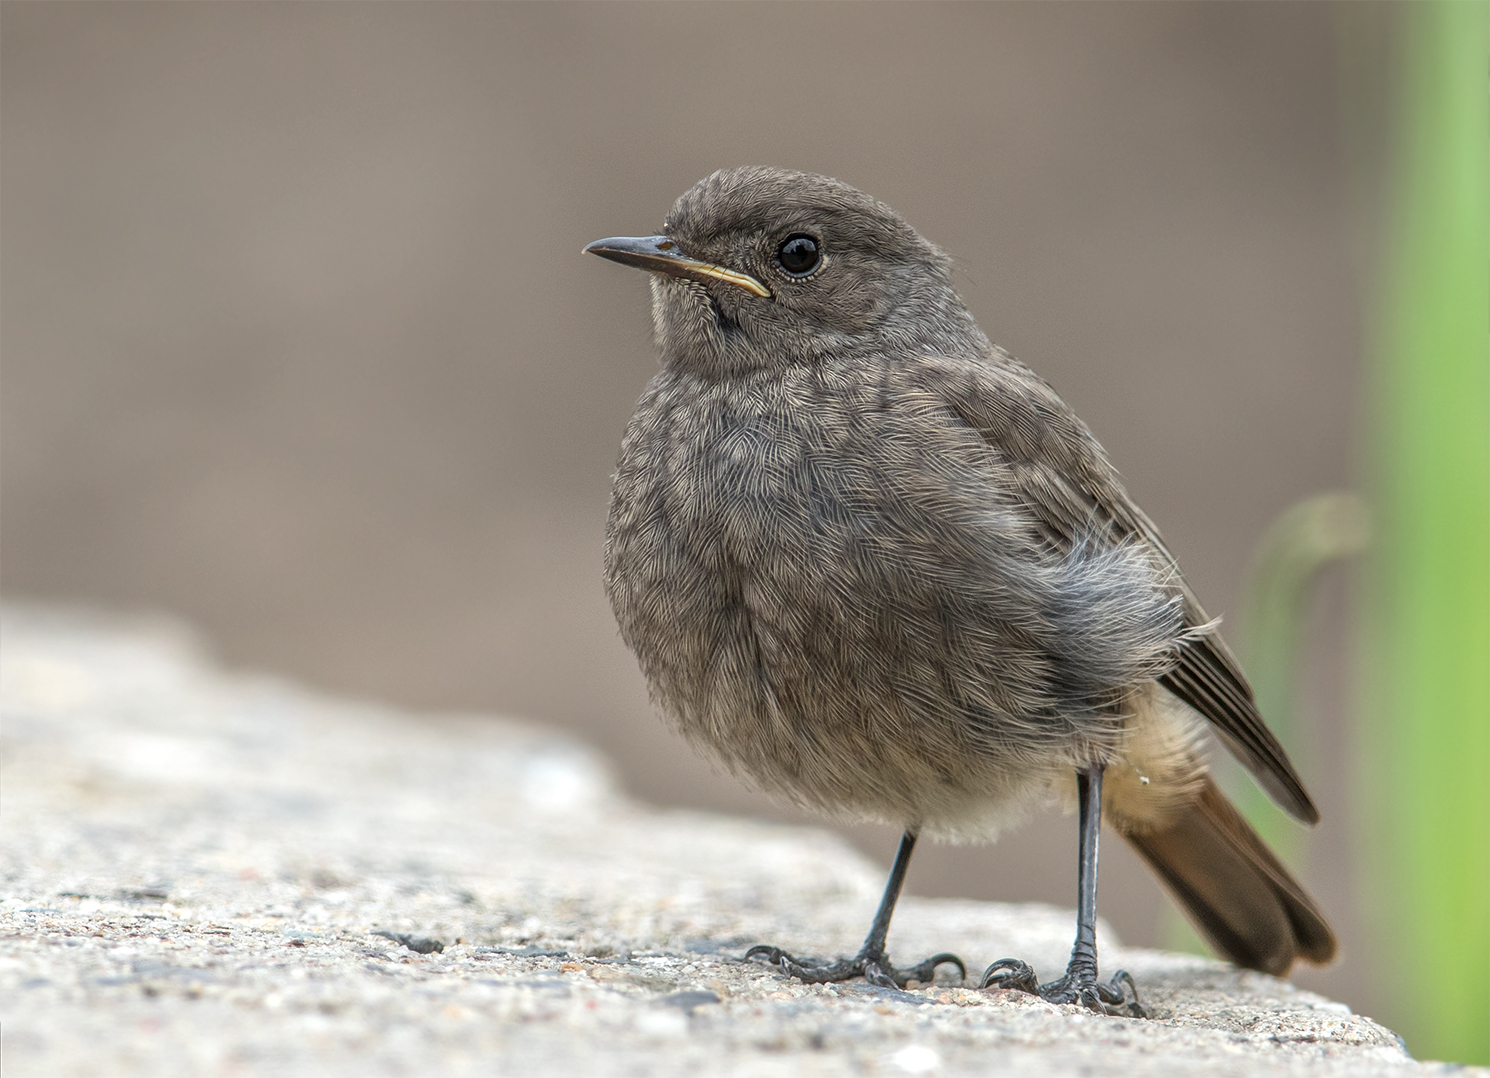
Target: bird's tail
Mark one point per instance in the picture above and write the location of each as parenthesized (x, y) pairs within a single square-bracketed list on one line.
[(1236, 893)]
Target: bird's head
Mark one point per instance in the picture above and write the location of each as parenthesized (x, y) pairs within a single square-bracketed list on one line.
[(761, 267)]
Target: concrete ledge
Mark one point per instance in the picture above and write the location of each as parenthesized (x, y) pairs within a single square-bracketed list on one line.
[(203, 874)]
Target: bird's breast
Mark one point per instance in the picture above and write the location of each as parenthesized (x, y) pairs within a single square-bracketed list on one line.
[(758, 484)]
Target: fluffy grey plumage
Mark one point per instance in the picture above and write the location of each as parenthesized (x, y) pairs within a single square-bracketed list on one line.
[(877, 566)]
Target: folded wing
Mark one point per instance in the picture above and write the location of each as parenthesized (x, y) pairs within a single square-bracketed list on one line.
[(1062, 473)]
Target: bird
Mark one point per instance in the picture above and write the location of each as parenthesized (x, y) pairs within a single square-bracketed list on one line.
[(875, 566)]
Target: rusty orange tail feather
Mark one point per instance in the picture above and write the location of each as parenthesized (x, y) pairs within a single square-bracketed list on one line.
[(1234, 890)]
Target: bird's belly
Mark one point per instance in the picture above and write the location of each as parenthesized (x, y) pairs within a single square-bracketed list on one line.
[(843, 723)]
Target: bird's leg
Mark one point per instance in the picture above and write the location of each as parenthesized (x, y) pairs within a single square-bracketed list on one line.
[(871, 962), (1080, 984)]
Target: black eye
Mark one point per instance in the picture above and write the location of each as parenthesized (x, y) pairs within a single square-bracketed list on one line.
[(799, 255)]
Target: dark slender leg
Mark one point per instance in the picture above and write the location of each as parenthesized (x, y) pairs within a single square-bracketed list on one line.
[(879, 930), (1089, 833), (871, 962), (1079, 985)]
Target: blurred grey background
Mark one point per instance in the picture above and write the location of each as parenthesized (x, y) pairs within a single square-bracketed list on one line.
[(299, 344)]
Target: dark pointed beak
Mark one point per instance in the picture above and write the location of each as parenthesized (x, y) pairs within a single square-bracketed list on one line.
[(659, 254)]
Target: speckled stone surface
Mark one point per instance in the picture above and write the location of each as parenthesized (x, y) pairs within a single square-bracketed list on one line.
[(195, 869)]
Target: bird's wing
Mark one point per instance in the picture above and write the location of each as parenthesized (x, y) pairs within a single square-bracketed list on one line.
[(1062, 472)]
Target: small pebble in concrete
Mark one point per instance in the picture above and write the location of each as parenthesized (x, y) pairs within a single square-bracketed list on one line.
[(417, 944)]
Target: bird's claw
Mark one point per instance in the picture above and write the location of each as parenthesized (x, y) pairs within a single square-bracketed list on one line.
[(875, 969), (1013, 974), (1079, 986)]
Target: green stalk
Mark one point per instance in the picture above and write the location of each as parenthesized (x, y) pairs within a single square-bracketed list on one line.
[(1302, 542), (1425, 676)]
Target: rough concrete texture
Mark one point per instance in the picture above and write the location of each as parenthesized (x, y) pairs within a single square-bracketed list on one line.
[(205, 874)]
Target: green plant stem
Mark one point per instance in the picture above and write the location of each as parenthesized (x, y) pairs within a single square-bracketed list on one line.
[(1301, 543), (1425, 677)]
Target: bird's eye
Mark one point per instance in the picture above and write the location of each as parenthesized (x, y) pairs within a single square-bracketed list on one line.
[(799, 255)]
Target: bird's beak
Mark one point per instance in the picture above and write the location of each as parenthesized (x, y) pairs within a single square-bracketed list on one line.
[(659, 254)]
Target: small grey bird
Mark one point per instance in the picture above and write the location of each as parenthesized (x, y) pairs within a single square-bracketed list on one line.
[(875, 566)]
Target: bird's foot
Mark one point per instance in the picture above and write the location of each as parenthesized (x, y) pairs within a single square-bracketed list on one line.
[(874, 968), (1079, 985)]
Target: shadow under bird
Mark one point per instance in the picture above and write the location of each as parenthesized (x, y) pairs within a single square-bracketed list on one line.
[(877, 567)]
